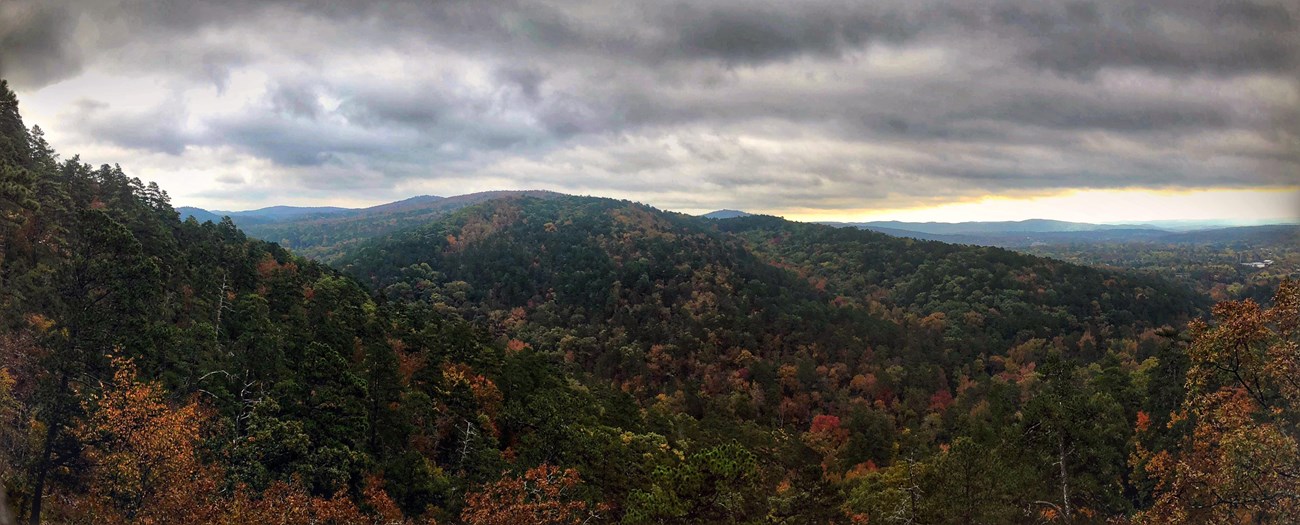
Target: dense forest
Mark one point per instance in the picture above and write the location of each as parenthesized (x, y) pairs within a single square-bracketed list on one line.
[(1223, 264), (328, 236), (566, 360)]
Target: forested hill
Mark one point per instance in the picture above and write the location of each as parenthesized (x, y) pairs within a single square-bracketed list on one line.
[(327, 236), (156, 370), (991, 296), (568, 360), (757, 283), (899, 345)]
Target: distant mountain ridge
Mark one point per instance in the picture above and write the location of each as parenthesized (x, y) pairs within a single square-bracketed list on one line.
[(1039, 232), (324, 233), (285, 211), (965, 228), (726, 214), (279, 213)]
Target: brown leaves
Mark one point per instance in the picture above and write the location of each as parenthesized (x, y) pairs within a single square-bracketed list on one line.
[(290, 504), (543, 496), (144, 469), (1241, 462)]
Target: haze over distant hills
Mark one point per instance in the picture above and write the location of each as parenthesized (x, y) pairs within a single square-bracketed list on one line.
[(324, 232), (725, 214), (964, 228), (1036, 232)]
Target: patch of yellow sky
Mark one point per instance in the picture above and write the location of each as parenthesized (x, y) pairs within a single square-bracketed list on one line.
[(1096, 206)]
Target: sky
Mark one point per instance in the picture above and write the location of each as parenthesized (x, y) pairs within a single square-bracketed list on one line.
[(1102, 111)]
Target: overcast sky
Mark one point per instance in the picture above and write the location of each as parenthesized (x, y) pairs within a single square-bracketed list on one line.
[(969, 109)]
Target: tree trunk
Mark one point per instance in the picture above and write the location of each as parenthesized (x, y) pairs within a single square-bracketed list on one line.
[(1065, 479), (47, 453)]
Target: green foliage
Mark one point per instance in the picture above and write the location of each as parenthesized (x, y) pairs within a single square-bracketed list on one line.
[(715, 485), (691, 371)]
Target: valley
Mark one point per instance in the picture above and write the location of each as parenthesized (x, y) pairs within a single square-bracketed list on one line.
[(512, 357)]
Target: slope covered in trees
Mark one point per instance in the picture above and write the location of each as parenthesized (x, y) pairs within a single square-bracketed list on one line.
[(875, 350), (575, 360), (327, 236), (152, 367)]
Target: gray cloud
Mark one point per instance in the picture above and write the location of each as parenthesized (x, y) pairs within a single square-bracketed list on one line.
[(36, 45), (805, 104)]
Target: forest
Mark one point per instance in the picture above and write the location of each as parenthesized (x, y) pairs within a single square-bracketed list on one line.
[(554, 359)]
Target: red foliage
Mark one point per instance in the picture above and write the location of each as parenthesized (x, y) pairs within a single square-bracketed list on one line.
[(824, 423), (941, 400)]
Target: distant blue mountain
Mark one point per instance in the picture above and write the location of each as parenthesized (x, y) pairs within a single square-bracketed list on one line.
[(998, 227), (285, 212), (1039, 232), (261, 215), (725, 214), (199, 214)]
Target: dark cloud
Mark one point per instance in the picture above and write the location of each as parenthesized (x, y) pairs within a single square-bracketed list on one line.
[(160, 130), (36, 43), (807, 103), (754, 32)]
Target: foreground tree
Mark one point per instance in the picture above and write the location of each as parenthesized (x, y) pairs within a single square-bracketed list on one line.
[(1241, 461), (140, 449)]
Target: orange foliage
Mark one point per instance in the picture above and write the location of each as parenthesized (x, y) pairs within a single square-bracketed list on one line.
[(143, 468), (543, 496), (290, 504), (1241, 462), (141, 453), (485, 391), (1143, 422), (515, 346)]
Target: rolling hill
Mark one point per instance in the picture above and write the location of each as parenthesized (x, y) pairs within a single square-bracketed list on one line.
[(587, 275), (325, 235)]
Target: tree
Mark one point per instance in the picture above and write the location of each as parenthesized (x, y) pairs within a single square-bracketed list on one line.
[(103, 286), (717, 484), (1241, 461), (330, 401), (1075, 438), (141, 452), (542, 496)]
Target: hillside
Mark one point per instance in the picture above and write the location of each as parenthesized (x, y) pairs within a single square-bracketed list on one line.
[(326, 236), (725, 214), (619, 264), (770, 322), (572, 359), (162, 371), (1034, 234)]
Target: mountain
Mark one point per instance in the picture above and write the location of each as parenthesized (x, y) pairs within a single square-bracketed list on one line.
[(261, 215), (199, 214), (725, 214), (404, 204), (328, 237), (585, 275), (1034, 233), (279, 213), (147, 361), (1273, 233), (1029, 239), (1000, 227), (511, 357)]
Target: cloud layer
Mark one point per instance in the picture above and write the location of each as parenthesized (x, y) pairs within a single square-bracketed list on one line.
[(815, 105)]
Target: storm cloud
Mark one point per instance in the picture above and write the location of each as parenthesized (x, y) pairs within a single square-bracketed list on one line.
[(766, 105)]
